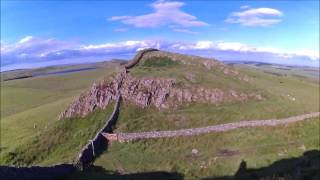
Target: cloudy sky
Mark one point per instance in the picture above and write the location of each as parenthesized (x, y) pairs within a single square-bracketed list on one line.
[(37, 33)]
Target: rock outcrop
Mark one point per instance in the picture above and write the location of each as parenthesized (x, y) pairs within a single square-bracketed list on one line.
[(158, 92), (99, 95), (143, 92)]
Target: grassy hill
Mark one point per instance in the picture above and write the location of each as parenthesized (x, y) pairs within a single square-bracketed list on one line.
[(32, 134)]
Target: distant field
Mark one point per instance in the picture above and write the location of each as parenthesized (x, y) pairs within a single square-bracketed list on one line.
[(61, 69), (30, 108), (32, 134), (282, 70)]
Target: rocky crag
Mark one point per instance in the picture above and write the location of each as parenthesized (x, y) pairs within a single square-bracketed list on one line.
[(158, 92)]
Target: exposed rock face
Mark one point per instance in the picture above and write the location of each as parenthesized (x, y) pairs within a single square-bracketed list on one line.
[(99, 95), (160, 92)]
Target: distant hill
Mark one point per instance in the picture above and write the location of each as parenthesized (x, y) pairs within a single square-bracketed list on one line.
[(56, 115), (282, 70), (27, 73)]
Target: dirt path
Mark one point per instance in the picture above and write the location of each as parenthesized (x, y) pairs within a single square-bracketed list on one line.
[(126, 137)]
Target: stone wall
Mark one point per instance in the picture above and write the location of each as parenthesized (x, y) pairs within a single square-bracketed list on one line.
[(154, 91), (126, 137), (98, 144), (138, 57)]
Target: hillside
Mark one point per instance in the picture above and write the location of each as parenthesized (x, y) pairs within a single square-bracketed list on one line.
[(162, 91)]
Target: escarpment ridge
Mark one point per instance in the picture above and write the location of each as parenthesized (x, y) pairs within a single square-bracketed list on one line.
[(160, 92)]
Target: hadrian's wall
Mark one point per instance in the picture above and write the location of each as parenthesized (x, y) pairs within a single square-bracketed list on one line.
[(138, 57), (86, 156), (98, 144)]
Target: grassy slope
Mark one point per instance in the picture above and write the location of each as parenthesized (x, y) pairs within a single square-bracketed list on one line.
[(275, 89), (59, 141), (29, 109), (257, 146)]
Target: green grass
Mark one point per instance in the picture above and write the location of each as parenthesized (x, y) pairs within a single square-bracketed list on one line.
[(61, 142), (259, 147), (32, 134), (278, 93), (29, 113), (133, 119), (160, 62), (311, 73), (25, 94), (191, 75)]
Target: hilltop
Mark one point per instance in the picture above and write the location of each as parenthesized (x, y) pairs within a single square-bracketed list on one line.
[(165, 80), (161, 91)]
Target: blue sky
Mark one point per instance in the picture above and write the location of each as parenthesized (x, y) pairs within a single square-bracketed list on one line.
[(62, 32)]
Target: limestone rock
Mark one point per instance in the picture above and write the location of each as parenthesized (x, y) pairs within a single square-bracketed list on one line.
[(143, 92)]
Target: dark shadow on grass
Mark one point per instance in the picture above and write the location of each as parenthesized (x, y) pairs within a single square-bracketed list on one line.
[(36, 172), (69, 172), (306, 166), (97, 173)]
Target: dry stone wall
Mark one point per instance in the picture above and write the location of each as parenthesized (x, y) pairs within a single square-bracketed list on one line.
[(98, 144), (100, 95), (126, 137), (160, 92), (138, 57)]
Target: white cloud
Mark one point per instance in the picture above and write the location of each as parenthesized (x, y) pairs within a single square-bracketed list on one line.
[(242, 48), (199, 45), (125, 45), (187, 31), (255, 17), (26, 39), (244, 7), (165, 13), (41, 50), (121, 30), (30, 44), (235, 46), (314, 55)]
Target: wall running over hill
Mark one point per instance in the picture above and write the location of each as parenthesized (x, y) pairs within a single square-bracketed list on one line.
[(138, 57), (101, 99), (158, 92), (127, 137), (98, 144)]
